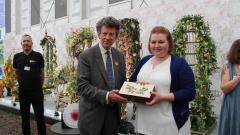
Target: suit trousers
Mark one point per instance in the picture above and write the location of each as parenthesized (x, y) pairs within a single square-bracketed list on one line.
[(35, 98), (111, 122)]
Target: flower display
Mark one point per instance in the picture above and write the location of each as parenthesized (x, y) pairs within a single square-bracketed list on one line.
[(202, 116), (61, 74), (65, 81), (129, 44), (9, 78), (50, 59), (78, 39), (1, 87), (70, 89)]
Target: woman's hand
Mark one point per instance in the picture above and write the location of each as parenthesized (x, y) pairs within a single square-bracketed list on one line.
[(228, 85), (158, 97), (141, 82), (238, 76)]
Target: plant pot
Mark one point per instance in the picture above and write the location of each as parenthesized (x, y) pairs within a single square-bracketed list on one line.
[(15, 99), (206, 132)]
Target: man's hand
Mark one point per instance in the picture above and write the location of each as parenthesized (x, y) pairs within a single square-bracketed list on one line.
[(114, 97)]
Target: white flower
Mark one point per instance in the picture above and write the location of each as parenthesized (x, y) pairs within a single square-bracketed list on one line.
[(133, 25)]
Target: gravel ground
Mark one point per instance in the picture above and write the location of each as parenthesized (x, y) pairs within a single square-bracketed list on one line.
[(10, 124)]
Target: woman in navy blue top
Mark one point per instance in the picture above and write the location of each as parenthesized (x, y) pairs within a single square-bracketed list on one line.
[(168, 111)]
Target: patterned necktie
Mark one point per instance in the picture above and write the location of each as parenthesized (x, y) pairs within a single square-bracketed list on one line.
[(109, 70)]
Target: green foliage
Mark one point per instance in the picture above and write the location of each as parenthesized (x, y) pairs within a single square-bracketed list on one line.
[(129, 44), (202, 116), (131, 26), (47, 86), (71, 87), (1, 53), (15, 91), (50, 59)]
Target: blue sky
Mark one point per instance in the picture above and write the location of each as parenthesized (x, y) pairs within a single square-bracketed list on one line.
[(2, 13)]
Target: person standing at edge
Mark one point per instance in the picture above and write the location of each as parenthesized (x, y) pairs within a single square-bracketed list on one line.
[(100, 73), (29, 68), (229, 120)]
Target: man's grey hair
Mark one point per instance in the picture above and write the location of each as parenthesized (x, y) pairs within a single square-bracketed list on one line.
[(26, 35), (109, 22)]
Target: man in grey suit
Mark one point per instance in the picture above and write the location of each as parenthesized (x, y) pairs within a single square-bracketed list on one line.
[(100, 73)]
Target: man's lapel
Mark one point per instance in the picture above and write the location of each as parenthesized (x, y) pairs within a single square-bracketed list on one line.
[(116, 65), (100, 63)]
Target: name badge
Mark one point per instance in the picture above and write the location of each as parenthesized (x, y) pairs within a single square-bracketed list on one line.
[(32, 61), (26, 68)]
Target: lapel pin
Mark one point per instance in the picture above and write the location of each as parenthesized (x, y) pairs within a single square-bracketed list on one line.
[(116, 63)]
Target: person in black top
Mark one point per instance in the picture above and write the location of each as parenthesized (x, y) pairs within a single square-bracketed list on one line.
[(29, 67)]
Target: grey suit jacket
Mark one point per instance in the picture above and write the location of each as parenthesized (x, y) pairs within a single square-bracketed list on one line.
[(92, 86)]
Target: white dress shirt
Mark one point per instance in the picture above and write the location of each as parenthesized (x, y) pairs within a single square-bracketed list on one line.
[(104, 57)]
